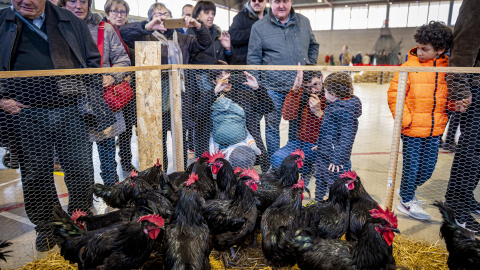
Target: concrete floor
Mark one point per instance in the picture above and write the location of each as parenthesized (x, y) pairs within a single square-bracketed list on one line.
[(370, 160)]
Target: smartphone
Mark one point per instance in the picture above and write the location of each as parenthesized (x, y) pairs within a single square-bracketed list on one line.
[(174, 23)]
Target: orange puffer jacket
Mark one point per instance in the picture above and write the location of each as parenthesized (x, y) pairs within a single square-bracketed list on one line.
[(424, 113)]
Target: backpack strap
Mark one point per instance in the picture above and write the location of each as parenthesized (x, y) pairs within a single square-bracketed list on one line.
[(101, 30)]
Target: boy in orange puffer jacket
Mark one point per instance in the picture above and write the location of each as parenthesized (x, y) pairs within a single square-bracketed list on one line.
[(424, 112)]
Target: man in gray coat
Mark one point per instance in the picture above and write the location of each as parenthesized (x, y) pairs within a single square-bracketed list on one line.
[(44, 110), (282, 37)]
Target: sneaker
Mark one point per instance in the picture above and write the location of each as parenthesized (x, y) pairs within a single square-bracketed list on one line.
[(475, 208), (413, 209), (44, 241), (414, 196), (451, 147), (470, 223)]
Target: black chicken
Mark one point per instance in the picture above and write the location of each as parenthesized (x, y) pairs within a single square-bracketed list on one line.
[(462, 246), (205, 184), (360, 204), (4, 254), (225, 177), (232, 221), (123, 245), (119, 196), (272, 184), (187, 236), (278, 222), (373, 250), (329, 219)]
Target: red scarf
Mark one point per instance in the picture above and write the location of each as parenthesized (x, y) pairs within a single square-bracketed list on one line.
[(118, 34)]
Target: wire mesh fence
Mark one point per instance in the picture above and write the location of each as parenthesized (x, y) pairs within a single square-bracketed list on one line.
[(64, 131)]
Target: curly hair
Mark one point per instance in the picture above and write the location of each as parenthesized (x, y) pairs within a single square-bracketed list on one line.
[(435, 33)]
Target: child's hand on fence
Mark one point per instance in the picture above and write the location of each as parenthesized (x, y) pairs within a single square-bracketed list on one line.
[(315, 105), (11, 106), (251, 81), (223, 85), (334, 167), (298, 80), (315, 148), (108, 80)]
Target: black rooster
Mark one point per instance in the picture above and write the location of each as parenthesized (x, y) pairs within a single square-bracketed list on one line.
[(232, 221), (373, 250), (3, 253), (205, 184), (187, 236), (123, 245), (272, 184), (119, 196), (360, 204), (329, 219), (278, 223), (462, 246), (225, 177)]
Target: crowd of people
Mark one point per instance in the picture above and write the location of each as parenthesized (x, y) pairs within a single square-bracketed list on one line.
[(221, 109)]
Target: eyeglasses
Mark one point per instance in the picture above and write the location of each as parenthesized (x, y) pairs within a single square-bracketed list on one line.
[(315, 85), (116, 12), (259, 1), (160, 14)]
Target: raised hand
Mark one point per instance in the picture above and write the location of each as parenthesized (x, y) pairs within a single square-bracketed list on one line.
[(191, 22), (225, 40), (298, 80), (251, 81), (156, 24), (223, 85)]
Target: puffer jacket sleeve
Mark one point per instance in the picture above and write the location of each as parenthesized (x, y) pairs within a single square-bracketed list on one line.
[(132, 32), (392, 101), (200, 41)]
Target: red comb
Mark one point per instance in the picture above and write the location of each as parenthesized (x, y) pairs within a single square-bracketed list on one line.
[(298, 152), (158, 163), (206, 154), (237, 170), (78, 213), (385, 214), (252, 173), (133, 173), (252, 184), (192, 179), (155, 219), (300, 184), (218, 154), (350, 174)]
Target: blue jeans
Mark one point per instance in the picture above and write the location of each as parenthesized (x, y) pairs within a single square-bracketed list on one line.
[(310, 156), (108, 165), (38, 132), (272, 122), (419, 160), (325, 178)]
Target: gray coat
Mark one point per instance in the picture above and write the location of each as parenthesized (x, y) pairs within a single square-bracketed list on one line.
[(272, 43), (114, 55)]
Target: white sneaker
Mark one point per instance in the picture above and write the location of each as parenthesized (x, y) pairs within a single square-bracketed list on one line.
[(414, 196), (413, 209)]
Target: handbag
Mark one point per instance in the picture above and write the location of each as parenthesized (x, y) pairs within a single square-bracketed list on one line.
[(116, 96)]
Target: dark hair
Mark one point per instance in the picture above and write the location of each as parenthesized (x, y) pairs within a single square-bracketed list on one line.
[(339, 84), (187, 5), (214, 73), (62, 3), (110, 3), (309, 74), (435, 33), (203, 6)]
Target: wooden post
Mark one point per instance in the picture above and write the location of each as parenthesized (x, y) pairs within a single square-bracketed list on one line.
[(397, 130), (176, 116), (149, 103)]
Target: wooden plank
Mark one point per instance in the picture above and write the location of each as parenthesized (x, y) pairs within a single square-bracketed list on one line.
[(59, 72), (149, 103), (397, 131), (176, 118)]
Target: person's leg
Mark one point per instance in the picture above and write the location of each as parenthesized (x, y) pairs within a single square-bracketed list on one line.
[(279, 155), (321, 187), (411, 162), (309, 162), (243, 157), (125, 149), (108, 165), (75, 156), (272, 122), (428, 160)]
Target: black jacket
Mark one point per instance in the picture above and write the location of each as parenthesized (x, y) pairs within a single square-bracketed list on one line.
[(215, 52), (240, 32)]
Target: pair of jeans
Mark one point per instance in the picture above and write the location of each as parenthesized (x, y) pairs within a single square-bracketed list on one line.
[(108, 165), (38, 132), (324, 178), (282, 153), (272, 122), (419, 160)]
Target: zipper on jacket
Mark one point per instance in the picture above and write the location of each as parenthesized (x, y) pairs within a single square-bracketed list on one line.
[(434, 99), (11, 49)]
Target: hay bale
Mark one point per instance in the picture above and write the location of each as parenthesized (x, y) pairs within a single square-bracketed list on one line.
[(416, 254), (53, 261)]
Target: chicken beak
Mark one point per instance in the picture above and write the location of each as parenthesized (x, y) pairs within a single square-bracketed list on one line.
[(395, 230)]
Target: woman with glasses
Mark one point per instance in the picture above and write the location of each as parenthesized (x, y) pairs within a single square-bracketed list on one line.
[(154, 30), (304, 103), (114, 55)]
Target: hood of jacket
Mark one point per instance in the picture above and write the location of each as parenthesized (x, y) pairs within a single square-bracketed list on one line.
[(215, 32), (352, 105), (251, 12)]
